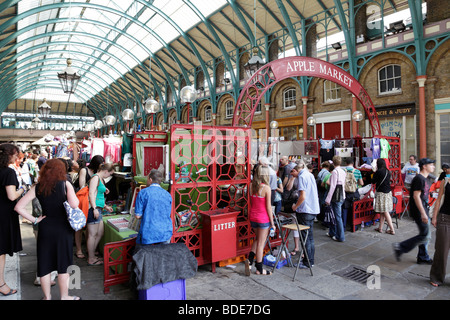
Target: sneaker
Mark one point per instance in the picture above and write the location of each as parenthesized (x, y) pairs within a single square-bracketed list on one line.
[(397, 252), (422, 261)]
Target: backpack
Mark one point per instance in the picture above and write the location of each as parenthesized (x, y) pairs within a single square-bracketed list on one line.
[(350, 184)]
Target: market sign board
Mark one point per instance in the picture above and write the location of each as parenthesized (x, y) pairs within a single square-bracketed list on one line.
[(281, 69)]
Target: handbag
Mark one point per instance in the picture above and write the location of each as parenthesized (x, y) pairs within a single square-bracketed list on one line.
[(75, 216), (337, 194), (37, 209), (329, 216)]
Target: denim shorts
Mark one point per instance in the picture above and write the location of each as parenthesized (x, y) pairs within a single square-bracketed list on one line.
[(258, 225), (91, 219)]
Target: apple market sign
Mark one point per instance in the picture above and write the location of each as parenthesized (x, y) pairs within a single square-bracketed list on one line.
[(281, 69)]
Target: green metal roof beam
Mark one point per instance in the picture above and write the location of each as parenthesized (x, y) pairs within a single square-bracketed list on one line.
[(2, 66), (218, 41), (415, 7), (90, 5), (327, 11), (22, 89), (289, 2), (290, 28), (274, 17), (235, 26), (237, 10), (25, 73), (348, 37), (17, 70)]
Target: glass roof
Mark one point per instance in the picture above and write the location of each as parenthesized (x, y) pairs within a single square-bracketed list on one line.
[(104, 38)]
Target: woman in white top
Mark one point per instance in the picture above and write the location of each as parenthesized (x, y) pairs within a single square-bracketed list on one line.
[(337, 181), (26, 172)]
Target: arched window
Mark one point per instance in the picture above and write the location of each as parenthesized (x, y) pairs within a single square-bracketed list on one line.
[(289, 98), (258, 108), (390, 79), (229, 110), (207, 114), (172, 119)]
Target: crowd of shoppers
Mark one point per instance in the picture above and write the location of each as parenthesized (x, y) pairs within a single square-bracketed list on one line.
[(47, 184), (294, 188), (307, 195)]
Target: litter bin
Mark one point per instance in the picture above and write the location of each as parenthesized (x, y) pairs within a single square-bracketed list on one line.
[(219, 235), (398, 193)]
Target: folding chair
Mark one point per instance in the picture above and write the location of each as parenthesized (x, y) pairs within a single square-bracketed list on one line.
[(393, 212), (405, 199), (279, 225), (299, 228)]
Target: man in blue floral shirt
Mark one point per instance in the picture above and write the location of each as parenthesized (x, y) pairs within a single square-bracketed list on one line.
[(153, 207)]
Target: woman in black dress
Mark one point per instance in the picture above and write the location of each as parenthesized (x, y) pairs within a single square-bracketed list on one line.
[(10, 239), (55, 236), (383, 196)]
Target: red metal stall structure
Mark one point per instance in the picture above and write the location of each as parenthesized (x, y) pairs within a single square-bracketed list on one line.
[(209, 170), (363, 208), (297, 66)]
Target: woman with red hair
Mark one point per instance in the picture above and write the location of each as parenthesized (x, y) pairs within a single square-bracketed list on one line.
[(55, 235)]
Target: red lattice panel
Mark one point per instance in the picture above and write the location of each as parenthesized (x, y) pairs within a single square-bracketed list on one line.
[(117, 259), (363, 209), (362, 212), (209, 169)]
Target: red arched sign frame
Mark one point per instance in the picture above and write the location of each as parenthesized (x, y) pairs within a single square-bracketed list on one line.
[(281, 69)]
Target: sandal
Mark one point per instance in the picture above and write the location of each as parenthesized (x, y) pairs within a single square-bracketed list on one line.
[(434, 284), (11, 291), (96, 263), (80, 255), (379, 230), (264, 273), (293, 253), (390, 232), (248, 267), (260, 270)]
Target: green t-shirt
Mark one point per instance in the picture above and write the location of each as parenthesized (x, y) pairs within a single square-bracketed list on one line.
[(385, 147)]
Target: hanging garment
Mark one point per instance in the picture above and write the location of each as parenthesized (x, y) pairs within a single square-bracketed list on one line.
[(97, 147), (385, 147), (344, 152), (376, 149)]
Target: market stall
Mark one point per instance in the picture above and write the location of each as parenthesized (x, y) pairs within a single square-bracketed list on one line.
[(364, 151)]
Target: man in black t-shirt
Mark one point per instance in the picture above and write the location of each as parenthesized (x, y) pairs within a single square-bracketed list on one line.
[(419, 211)]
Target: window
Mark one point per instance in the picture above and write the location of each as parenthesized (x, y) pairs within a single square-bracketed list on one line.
[(229, 110), (190, 120), (289, 97), (258, 107), (172, 119), (390, 79), (331, 91), (207, 113)]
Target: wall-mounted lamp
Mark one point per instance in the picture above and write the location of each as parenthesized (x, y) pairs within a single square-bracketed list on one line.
[(337, 46), (397, 26)]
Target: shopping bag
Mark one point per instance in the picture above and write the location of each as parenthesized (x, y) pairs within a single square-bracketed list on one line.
[(329, 215)]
